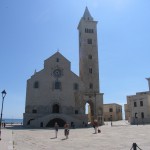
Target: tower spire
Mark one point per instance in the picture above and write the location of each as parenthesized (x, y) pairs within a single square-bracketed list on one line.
[(87, 15)]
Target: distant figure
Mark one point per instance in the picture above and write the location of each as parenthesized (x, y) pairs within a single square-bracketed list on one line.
[(111, 123), (95, 125), (83, 124), (66, 130), (56, 129)]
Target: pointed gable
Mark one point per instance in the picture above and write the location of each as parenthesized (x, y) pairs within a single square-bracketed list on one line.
[(57, 60)]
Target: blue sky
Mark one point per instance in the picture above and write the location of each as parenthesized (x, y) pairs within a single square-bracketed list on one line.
[(33, 30)]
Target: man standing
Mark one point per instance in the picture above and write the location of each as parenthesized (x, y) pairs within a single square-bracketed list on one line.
[(56, 129)]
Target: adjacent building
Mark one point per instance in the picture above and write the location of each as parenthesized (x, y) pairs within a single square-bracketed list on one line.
[(56, 94), (112, 112), (137, 109)]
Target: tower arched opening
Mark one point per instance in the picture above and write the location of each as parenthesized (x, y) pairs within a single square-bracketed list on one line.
[(89, 110)]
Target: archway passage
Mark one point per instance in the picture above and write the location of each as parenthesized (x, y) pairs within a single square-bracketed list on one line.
[(89, 110), (60, 122)]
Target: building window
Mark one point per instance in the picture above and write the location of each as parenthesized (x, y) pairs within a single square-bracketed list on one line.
[(57, 85), (90, 56), (75, 86), (135, 105), (142, 115), (91, 86), (76, 111), (56, 108), (36, 84), (34, 111), (141, 103), (136, 115), (110, 110), (89, 41), (57, 59), (90, 70)]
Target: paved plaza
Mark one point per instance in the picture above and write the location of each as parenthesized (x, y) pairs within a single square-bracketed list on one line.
[(120, 136)]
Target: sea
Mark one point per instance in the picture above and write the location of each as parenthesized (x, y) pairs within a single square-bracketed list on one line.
[(13, 121)]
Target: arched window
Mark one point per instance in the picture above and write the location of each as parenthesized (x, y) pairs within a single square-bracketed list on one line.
[(55, 108)]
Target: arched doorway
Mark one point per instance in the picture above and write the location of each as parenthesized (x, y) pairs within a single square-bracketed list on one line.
[(28, 123), (89, 110), (55, 108), (60, 122)]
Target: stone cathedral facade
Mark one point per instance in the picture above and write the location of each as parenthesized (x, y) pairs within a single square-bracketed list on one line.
[(56, 94)]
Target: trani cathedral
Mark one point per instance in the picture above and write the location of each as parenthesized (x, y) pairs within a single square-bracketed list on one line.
[(56, 94)]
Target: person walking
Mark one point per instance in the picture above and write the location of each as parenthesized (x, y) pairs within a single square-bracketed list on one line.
[(66, 130), (56, 129), (95, 126)]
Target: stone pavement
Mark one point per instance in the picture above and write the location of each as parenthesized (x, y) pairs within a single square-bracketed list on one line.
[(120, 136)]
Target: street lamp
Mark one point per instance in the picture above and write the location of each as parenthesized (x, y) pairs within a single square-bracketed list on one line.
[(3, 96), (95, 105)]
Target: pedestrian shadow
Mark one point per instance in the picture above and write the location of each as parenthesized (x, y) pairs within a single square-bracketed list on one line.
[(63, 139), (53, 138)]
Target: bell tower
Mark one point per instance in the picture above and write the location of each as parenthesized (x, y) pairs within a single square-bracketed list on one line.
[(88, 63), (88, 52)]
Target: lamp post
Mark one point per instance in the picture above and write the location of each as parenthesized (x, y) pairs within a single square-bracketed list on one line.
[(95, 106), (3, 96)]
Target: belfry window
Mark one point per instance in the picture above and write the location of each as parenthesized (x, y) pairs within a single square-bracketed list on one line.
[(90, 56), (89, 30), (36, 84), (89, 41)]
